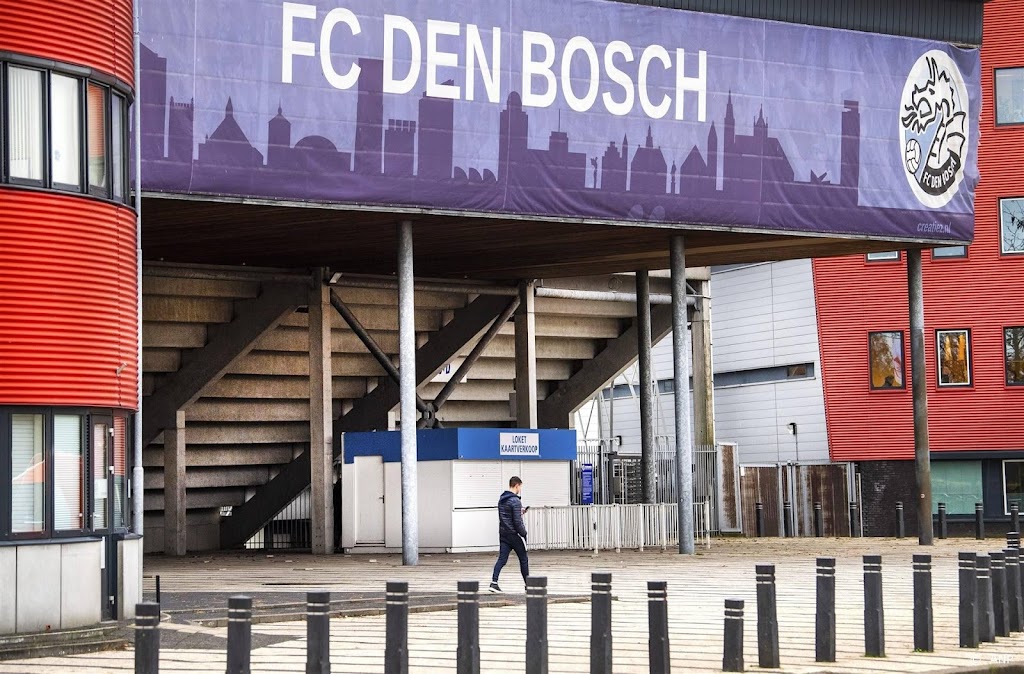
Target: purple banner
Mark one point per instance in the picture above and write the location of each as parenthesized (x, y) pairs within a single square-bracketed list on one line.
[(581, 110)]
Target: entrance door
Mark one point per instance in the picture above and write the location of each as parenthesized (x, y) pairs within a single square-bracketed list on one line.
[(101, 445), (369, 500)]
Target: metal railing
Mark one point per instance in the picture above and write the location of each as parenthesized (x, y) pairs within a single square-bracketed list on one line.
[(613, 527)]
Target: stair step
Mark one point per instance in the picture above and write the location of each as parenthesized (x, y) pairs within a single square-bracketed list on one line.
[(105, 636), (40, 650)]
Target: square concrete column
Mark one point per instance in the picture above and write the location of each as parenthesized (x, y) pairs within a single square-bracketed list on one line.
[(321, 433), (526, 358), (703, 382), (175, 505)]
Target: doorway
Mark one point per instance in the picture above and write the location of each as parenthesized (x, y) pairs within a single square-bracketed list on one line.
[(369, 500)]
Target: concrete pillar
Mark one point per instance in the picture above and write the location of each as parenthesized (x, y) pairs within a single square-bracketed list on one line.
[(681, 412), (526, 358), (321, 421), (407, 395), (919, 380), (703, 377), (175, 505), (648, 469)]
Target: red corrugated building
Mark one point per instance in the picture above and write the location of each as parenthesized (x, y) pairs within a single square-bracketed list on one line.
[(974, 331)]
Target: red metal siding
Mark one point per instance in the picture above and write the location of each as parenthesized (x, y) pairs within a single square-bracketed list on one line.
[(67, 301), (95, 33), (981, 293)]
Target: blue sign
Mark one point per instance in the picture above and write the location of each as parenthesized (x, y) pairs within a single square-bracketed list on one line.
[(588, 484), (487, 444)]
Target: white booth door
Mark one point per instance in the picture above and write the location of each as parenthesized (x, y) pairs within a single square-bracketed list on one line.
[(369, 500)]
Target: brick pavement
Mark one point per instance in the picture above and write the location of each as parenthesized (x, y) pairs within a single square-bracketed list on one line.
[(697, 589)]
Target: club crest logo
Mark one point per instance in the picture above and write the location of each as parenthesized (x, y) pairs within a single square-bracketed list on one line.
[(933, 128)]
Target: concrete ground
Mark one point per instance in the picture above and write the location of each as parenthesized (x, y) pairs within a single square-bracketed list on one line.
[(697, 588)]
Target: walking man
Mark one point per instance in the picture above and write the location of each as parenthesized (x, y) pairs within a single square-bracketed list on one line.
[(511, 531)]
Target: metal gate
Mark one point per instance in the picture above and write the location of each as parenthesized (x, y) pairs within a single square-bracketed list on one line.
[(800, 485)]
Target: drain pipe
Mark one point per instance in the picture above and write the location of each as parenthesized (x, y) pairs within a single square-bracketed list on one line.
[(138, 487)]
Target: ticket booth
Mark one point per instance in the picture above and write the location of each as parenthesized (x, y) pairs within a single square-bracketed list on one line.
[(461, 474)]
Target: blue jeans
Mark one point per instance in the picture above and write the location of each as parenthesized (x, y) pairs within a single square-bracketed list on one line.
[(508, 545)]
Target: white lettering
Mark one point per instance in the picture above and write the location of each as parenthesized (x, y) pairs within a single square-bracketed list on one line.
[(584, 45), (437, 58), (652, 52), (489, 72), (542, 69), (619, 77), (394, 23), (291, 47), (698, 84), (333, 18)]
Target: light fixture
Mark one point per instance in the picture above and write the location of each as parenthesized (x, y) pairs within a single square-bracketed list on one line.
[(792, 427)]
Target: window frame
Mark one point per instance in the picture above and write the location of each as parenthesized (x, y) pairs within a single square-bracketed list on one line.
[(96, 190), (81, 84), (1002, 249), (942, 258), (903, 362), (995, 98), (44, 126), (1006, 503), (83, 477), (898, 258), (938, 359), (8, 492), (1006, 369)]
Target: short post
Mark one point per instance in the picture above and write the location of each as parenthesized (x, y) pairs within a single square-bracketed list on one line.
[(536, 625), (147, 638), (239, 634), (396, 622), (825, 611), (787, 519), (819, 520), (1015, 516), (979, 521), (158, 588), (854, 521), (759, 519), (318, 633), (986, 615), (968, 600), (1000, 605), (1013, 589), (924, 630), (1013, 540), (901, 530), (732, 652), (600, 623), (943, 529), (657, 625), (468, 654), (767, 619), (874, 618)]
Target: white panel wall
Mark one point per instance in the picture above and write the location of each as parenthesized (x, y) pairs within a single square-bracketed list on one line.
[(8, 589)]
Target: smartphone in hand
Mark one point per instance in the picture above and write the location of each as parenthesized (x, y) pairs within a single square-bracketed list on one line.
[(525, 509)]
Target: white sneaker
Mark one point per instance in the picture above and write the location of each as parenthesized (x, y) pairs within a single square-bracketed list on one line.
[(494, 588)]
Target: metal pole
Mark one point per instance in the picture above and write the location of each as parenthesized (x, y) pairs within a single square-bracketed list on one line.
[(767, 617), (137, 482), (407, 387), (900, 525), (825, 611), (1013, 589), (924, 631), (819, 520), (467, 660), (922, 461), (239, 634), (536, 625), (681, 380), (601, 623), (658, 647), (147, 638), (732, 656), (874, 617), (648, 470), (396, 628), (979, 521), (318, 633), (969, 634), (943, 532), (1000, 606), (759, 520), (986, 614), (1014, 517)]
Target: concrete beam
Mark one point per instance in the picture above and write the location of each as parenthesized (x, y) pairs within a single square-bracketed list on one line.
[(526, 357), (227, 345), (321, 436), (555, 411), (175, 506)]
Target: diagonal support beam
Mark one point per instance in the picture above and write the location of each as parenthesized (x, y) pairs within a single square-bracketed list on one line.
[(368, 413), (228, 343), (555, 410)]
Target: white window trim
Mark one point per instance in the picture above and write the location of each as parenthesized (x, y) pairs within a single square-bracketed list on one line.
[(1002, 239), (967, 352)]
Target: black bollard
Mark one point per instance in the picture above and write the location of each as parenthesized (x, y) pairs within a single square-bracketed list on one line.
[(1013, 589), (901, 530), (732, 651), (943, 530), (468, 654), (787, 519), (600, 623), (318, 633), (147, 638), (239, 634), (979, 521), (874, 617), (396, 624), (1014, 516), (1013, 540), (759, 519), (825, 611), (854, 521), (819, 520), (767, 618), (158, 588), (986, 615), (968, 600), (1000, 607), (536, 625), (659, 652), (924, 630)]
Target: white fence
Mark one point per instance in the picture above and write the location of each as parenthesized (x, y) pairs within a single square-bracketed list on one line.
[(613, 527)]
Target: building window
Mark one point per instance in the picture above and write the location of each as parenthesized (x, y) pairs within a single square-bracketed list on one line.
[(118, 110), (958, 484), (28, 474), (68, 473), (1013, 484), (1013, 338), (97, 140), (948, 252), (100, 489), (886, 360), (1009, 86), (887, 256), (66, 132), (1011, 218), (954, 355), (25, 124), (120, 475)]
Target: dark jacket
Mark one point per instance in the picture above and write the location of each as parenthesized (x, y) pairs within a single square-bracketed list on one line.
[(510, 516)]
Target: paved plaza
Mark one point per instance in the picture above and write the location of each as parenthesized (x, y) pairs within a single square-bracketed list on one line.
[(697, 588)]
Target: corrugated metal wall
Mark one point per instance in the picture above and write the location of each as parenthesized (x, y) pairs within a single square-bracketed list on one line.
[(981, 292), (68, 331), (956, 21), (94, 33)]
